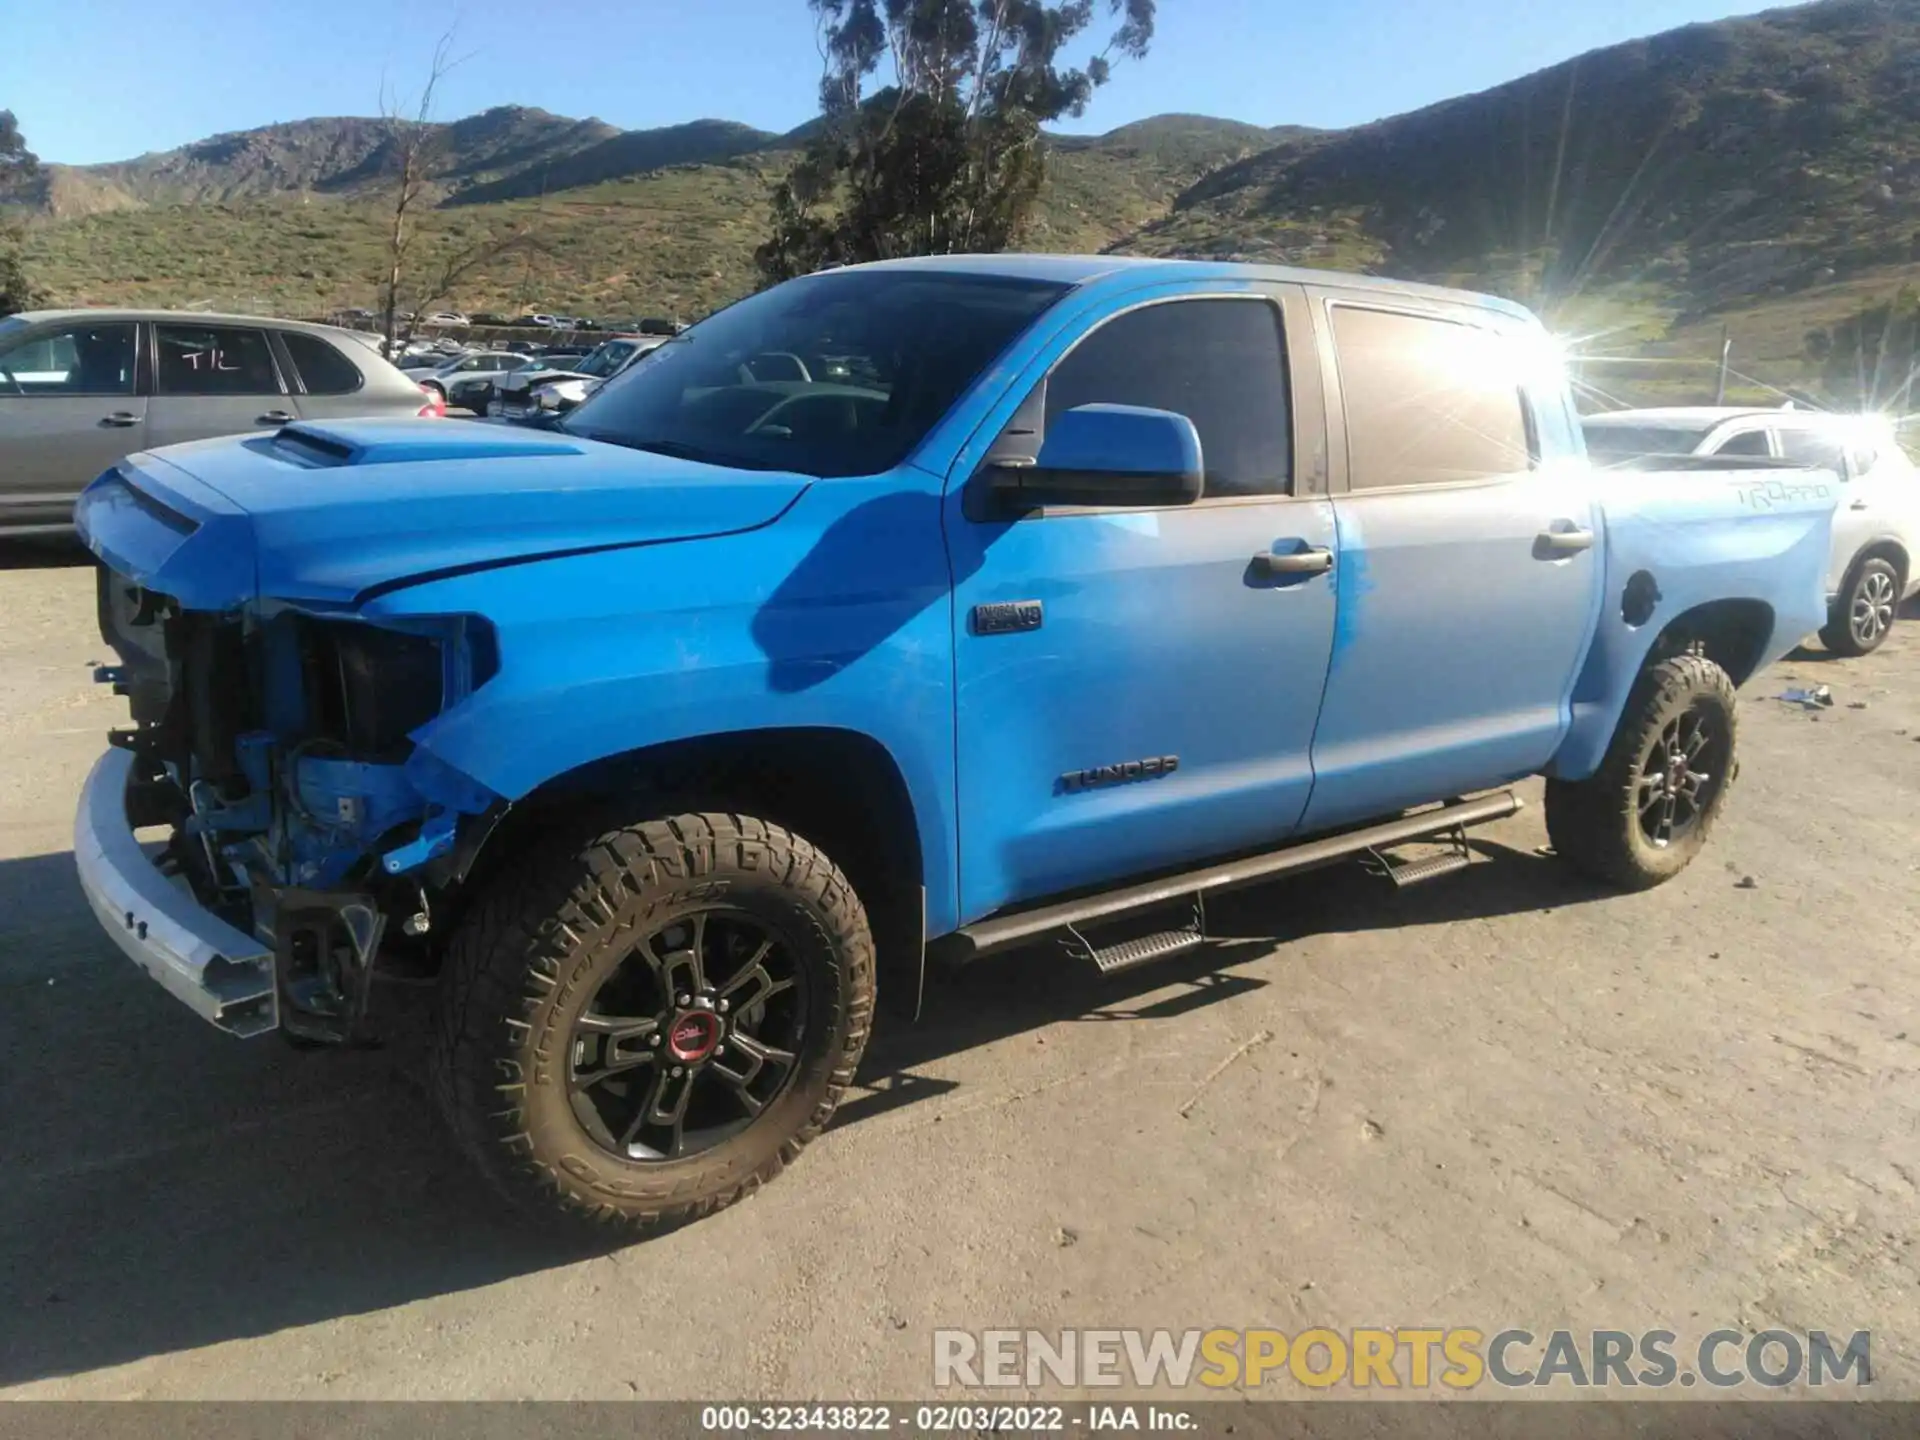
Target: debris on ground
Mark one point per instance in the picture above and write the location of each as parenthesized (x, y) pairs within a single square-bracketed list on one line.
[(1820, 697), (1747, 882)]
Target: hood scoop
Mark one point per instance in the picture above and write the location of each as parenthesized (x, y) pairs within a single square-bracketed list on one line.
[(414, 442)]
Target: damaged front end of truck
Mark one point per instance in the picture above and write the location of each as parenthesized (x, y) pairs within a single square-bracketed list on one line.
[(276, 747), (269, 827), (278, 823)]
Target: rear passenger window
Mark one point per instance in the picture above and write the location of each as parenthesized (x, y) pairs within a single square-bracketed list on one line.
[(1747, 442), (1220, 363), (215, 360), (1812, 447), (1428, 401), (323, 369)]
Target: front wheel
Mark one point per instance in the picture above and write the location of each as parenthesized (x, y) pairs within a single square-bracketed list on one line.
[(1644, 814), (642, 1031), (1863, 614)]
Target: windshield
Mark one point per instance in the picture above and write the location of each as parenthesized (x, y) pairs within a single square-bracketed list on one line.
[(841, 373), (1629, 442)]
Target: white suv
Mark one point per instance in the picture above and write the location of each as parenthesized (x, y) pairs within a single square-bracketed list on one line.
[(1876, 530)]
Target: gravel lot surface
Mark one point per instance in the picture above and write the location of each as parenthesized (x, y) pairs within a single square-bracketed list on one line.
[(1501, 1099)]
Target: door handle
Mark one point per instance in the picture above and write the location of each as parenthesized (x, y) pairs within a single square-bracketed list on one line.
[(1311, 561), (1558, 544), (1858, 505), (274, 417), (120, 419)]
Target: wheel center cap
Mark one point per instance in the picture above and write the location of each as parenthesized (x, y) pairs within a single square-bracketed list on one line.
[(693, 1036)]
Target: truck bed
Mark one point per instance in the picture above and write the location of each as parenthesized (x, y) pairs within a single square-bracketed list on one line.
[(1667, 518)]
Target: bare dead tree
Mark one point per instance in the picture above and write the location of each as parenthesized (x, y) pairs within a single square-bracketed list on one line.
[(416, 144), (450, 269)]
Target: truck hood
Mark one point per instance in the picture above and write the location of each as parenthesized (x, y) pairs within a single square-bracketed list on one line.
[(330, 514)]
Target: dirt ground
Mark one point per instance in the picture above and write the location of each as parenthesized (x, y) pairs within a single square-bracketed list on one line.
[(1501, 1099)]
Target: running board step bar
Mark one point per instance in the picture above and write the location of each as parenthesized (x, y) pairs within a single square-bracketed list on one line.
[(1129, 953), (1001, 932), (1411, 872), (1125, 954), (1414, 871)]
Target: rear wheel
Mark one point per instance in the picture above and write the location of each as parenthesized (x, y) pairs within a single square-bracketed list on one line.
[(643, 1031), (1644, 814), (1864, 612)]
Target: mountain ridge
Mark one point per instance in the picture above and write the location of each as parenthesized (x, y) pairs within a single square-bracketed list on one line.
[(1776, 149), (507, 152)]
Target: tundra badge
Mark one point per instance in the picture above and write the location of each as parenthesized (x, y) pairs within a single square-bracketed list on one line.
[(1151, 768)]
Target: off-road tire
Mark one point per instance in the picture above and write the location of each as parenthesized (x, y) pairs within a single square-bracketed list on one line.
[(527, 959), (1595, 823), (1839, 634)]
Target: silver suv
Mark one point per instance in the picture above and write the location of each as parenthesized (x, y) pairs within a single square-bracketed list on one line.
[(81, 388)]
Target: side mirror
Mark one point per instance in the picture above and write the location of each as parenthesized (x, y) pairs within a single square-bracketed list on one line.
[(1108, 455)]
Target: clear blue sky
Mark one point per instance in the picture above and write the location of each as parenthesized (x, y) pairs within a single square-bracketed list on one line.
[(96, 80)]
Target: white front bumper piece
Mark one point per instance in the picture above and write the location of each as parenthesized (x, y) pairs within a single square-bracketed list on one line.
[(224, 976)]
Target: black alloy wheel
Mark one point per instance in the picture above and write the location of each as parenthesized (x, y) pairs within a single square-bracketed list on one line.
[(690, 1038), (1680, 774)]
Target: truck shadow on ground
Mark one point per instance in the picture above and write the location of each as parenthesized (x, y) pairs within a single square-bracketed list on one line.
[(1040, 985), (165, 1188), (43, 552)]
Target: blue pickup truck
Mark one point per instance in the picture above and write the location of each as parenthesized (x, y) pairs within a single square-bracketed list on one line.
[(890, 617)]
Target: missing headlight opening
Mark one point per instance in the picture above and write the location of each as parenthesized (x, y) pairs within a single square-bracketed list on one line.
[(279, 749), (369, 688)]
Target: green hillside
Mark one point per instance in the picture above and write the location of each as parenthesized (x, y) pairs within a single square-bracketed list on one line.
[(673, 238), (1760, 173), (1764, 171)]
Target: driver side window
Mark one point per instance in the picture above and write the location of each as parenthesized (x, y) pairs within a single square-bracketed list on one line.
[(1219, 362), (77, 360)]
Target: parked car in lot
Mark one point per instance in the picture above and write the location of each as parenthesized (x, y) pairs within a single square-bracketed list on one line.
[(664, 735), (473, 391), (447, 320), (81, 388), (489, 363), (557, 396), (516, 396), (1876, 530)]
